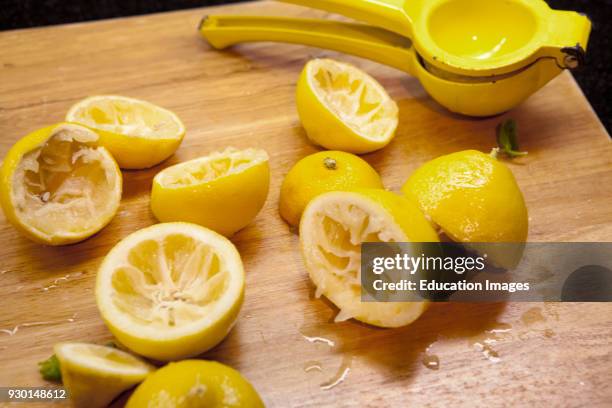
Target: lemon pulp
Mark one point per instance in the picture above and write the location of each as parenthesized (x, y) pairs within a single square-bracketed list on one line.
[(64, 187), (139, 134), (171, 291), (211, 167), (331, 232), (354, 98), (343, 108)]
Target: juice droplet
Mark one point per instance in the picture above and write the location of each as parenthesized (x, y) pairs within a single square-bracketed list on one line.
[(340, 375), (501, 328), (14, 330), (65, 278), (313, 365), (533, 316), (485, 341), (488, 352), (431, 361), (316, 339)]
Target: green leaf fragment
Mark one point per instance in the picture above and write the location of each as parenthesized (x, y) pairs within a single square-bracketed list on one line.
[(50, 369), (507, 138)]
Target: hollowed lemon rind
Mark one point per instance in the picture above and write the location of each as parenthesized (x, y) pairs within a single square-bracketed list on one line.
[(38, 197), (172, 342), (209, 168), (223, 191), (337, 114), (371, 222), (135, 144)]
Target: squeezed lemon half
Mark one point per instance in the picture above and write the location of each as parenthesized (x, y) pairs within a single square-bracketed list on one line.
[(95, 375), (343, 108), (332, 229), (195, 383), (223, 191), (171, 291), (138, 134), (59, 186)]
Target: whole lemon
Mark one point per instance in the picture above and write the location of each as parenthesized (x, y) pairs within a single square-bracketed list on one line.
[(320, 173), (471, 196), (195, 383)]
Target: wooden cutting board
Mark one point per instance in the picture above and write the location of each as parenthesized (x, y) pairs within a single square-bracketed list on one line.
[(521, 354)]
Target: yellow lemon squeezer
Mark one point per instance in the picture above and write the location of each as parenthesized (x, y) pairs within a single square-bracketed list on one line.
[(475, 57)]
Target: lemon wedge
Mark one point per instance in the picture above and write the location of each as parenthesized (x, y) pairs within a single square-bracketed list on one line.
[(137, 133), (95, 375), (223, 191), (332, 229), (171, 291), (343, 108), (59, 186), (195, 383)]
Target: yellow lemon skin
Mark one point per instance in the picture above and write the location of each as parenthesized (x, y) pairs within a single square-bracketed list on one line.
[(95, 375), (188, 345), (324, 127), (195, 383), (131, 148), (11, 161), (133, 152), (10, 164), (471, 196), (319, 173), (225, 204), (405, 213)]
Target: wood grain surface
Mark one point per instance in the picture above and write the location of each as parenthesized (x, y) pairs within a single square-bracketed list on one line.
[(536, 354)]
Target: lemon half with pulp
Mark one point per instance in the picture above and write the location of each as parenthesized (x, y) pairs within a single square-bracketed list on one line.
[(59, 186), (171, 291), (138, 134), (95, 375), (332, 229), (195, 383), (223, 191), (343, 108)]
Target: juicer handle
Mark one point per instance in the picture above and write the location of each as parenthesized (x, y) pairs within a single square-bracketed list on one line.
[(361, 40), (388, 14)]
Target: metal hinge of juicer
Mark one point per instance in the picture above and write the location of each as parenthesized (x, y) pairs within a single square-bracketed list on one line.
[(575, 57)]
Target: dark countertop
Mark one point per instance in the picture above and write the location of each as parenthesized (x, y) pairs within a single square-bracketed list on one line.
[(595, 80)]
